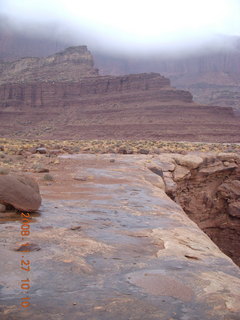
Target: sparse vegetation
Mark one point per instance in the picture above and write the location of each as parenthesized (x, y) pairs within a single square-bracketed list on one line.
[(12, 146), (48, 177)]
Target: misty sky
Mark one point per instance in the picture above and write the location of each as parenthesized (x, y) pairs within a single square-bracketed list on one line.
[(131, 26)]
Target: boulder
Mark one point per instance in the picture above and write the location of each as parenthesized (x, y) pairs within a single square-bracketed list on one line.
[(166, 157), (234, 209), (230, 189), (170, 186), (163, 165), (180, 173), (41, 150), (20, 191), (224, 156), (144, 151), (189, 161)]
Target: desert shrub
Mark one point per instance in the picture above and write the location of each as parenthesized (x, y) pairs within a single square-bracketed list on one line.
[(48, 177)]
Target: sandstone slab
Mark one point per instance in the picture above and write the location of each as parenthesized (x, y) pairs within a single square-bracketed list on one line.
[(189, 161), (164, 165), (115, 247), (155, 180), (218, 168), (231, 156)]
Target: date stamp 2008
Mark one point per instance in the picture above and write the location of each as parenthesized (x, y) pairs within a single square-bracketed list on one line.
[(25, 263)]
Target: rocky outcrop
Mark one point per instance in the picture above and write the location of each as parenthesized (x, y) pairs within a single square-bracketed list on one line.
[(72, 64), (132, 252), (207, 186), (94, 90), (20, 192)]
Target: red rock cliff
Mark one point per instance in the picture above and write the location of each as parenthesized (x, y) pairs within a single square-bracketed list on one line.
[(132, 88), (72, 64)]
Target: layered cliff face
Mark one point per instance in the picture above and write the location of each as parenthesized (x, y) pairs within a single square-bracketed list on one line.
[(62, 96), (213, 78), (71, 64), (92, 90), (192, 73)]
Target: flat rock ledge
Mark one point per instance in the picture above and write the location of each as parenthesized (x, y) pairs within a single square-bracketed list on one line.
[(116, 246)]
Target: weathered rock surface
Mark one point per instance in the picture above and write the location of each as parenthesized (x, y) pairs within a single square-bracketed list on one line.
[(208, 189), (155, 180), (72, 64), (223, 156), (234, 209), (230, 189), (165, 165), (189, 161), (92, 90), (180, 173), (115, 247), (170, 186), (21, 192), (218, 167)]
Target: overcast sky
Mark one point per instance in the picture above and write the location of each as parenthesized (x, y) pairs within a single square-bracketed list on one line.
[(132, 26)]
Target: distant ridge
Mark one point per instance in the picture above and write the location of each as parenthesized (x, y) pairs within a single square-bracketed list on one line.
[(62, 96)]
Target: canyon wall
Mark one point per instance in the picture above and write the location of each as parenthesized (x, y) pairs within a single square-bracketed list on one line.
[(72, 64), (63, 96), (207, 186), (212, 78), (93, 90), (211, 75)]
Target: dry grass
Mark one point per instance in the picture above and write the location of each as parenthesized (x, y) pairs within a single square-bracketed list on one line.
[(14, 146)]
